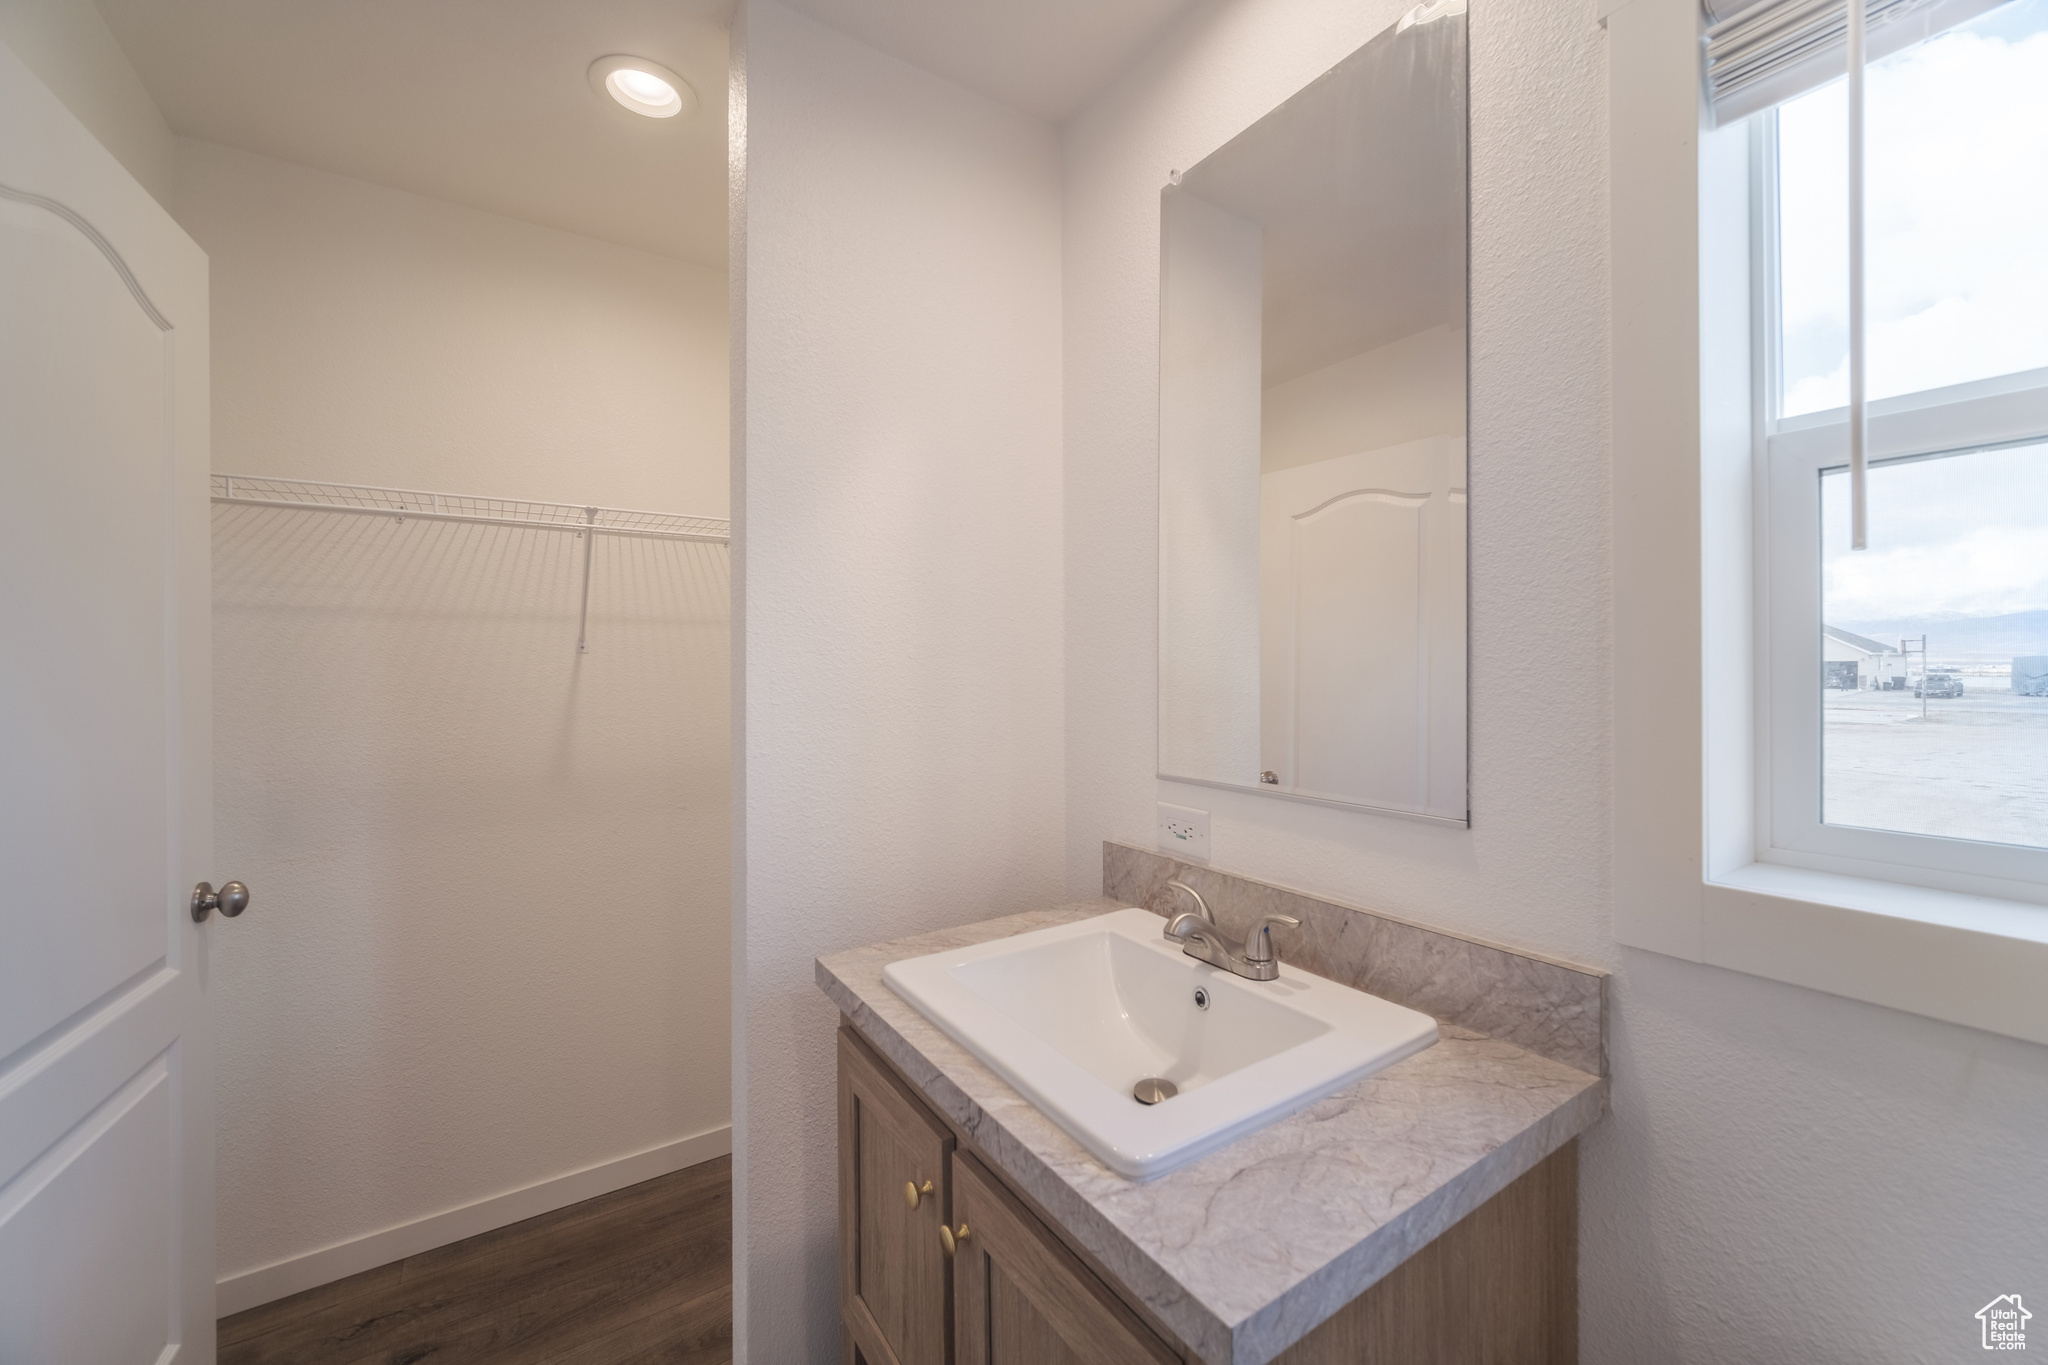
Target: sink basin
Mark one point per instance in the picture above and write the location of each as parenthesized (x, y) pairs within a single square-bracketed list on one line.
[(1075, 1016)]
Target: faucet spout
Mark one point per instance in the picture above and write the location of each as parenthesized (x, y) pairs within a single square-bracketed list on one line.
[(1200, 911), (1200, 938)]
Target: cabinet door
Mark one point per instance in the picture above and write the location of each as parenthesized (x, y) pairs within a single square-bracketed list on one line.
[(1020, 1298), (893, 1272)]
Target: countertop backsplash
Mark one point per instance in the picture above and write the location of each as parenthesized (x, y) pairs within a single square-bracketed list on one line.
[(1551, 1008)]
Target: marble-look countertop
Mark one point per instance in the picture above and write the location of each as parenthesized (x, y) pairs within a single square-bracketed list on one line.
[(1242, 1252)]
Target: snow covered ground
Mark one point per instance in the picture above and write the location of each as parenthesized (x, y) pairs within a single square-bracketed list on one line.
[(1975, 768)]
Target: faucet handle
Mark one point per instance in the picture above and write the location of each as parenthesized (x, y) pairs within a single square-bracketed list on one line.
[(1258, 944)]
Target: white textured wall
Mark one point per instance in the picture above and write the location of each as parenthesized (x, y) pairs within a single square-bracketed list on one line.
[(897, 475), (489, 935), (1403, 391), (374, 336), (70, 48), (1787, 1175)]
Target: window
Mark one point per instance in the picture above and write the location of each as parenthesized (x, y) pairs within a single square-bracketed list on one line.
[(1904, 703), (1725, 849)]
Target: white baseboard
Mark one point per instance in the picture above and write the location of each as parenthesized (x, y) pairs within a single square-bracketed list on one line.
[(290, 1276)]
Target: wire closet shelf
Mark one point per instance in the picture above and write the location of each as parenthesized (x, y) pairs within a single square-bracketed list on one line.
[(304, 495), (310, 496)]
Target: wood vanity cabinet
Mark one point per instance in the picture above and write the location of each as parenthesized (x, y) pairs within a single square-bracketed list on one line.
[(1009, 1294), (1498, 1288), (1020, 1298), (895, 1281)]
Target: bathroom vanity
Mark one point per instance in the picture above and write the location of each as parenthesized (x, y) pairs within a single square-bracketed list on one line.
[(1425, 1214)]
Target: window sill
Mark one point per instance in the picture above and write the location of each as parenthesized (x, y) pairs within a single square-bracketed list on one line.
[(1970, 960)]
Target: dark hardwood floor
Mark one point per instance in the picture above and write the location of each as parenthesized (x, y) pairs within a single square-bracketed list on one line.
[(639, 1276)]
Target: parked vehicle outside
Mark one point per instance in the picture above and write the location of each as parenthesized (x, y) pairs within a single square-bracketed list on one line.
[(1939, 685)]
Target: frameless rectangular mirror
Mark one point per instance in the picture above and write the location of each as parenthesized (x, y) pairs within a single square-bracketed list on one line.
[(1312, 439)]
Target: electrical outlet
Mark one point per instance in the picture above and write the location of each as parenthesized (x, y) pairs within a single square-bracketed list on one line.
[(1184, 832)]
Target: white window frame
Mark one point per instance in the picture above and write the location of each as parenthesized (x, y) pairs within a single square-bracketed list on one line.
[(1705, 864), (1792, 453)]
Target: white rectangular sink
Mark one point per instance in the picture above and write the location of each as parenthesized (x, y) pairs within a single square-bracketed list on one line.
[(1076, 1015)]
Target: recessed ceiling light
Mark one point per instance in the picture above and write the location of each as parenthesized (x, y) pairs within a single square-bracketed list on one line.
[(644, 87)]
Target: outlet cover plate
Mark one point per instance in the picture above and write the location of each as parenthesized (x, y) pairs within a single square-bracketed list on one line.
[(1184, 832)]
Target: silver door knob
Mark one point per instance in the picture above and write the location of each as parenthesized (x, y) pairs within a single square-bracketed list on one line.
[(231, 900)]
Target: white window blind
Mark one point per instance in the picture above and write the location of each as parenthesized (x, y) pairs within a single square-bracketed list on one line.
[(1762, 54)]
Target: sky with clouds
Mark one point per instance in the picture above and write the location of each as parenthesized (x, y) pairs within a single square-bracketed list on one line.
[(1956, 215), (1967, 533), (1957, 242)]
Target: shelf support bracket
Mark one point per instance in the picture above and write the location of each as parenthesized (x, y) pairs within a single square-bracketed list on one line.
[(589, 542)]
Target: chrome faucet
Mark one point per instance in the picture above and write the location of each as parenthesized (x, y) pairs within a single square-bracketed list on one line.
[(1195, 930)]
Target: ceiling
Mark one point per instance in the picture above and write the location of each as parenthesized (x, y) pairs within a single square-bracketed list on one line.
[(1045, 57), (479, 102), (486, 102)]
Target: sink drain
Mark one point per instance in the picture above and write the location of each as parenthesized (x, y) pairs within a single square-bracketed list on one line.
[(1153, 1089)]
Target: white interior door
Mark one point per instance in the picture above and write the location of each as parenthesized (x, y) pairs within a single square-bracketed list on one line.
[(1362, 627), (106, 1094)]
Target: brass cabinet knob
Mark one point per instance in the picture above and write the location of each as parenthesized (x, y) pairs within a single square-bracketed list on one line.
[(950, 1239), (913, 1193)]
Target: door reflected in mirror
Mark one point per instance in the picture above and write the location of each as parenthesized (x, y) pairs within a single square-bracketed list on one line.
[(1312, 395)]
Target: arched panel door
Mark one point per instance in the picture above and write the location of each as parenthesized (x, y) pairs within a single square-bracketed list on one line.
[(1362, 627), (106, 1097)]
